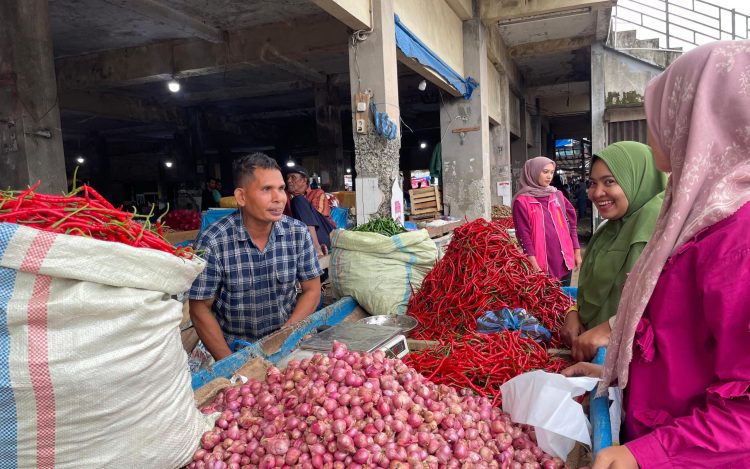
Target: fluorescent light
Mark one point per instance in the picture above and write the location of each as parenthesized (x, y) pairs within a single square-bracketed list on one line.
[(174, 86), (80, 160), (168, 164), (348, 170), (423, 145)]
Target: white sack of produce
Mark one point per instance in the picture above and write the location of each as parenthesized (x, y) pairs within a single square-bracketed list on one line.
[(545, 400), (379, 271), (92, 370)]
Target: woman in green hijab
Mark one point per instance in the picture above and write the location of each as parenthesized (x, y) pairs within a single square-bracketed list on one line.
[(628, 191)]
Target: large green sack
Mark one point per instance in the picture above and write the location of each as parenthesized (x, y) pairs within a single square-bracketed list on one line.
[(380, 272)]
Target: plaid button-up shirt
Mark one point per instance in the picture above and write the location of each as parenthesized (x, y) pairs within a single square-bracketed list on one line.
[(254, 290)]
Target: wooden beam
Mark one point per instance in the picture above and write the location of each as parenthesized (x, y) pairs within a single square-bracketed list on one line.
[(493, 11), (179, 20), (550, 47), (323, 35), (240, 92), (428, 74)]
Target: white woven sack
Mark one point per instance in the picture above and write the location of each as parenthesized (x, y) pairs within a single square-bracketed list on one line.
[(92, 370), (380, 272)]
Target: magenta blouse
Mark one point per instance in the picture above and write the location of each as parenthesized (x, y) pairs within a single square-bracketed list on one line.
[(687, 403)]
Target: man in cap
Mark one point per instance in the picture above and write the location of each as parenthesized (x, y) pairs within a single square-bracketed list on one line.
[(310, 206)]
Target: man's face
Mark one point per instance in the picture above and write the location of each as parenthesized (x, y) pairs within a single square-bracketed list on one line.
[(296, 183), (212, 184), (262, 196)]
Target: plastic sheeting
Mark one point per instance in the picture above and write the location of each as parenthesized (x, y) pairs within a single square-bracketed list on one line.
[(413, 47)]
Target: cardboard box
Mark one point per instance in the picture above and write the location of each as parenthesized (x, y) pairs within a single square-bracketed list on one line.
[(174, 237)]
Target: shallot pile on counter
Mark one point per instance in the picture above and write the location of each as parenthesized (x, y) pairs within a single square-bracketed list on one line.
[(354, 410)]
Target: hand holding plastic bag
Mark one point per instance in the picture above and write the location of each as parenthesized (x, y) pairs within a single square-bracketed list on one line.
[(545, 400)]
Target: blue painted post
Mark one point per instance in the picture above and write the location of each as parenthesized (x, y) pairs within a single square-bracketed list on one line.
[(599, 413)]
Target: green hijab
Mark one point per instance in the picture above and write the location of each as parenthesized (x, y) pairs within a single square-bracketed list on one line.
[(617, 244)]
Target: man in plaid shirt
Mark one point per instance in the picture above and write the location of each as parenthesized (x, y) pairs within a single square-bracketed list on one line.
[(254, 258)]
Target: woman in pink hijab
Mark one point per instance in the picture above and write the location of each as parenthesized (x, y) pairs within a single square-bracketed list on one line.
[(545, 222), (680, 345)]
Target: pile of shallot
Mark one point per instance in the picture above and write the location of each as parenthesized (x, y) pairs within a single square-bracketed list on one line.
[(355, 410)]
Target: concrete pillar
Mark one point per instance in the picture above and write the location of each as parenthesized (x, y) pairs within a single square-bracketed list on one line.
[(519, 149), (598, 103), (373, 66), (500, 164), (330, 139), (31, 146), (466, 155)]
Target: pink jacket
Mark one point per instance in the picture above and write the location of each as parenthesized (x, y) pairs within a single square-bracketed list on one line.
[(687, 403), (533, 208)]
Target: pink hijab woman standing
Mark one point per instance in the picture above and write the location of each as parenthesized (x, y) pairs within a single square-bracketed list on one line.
[(545, 222), (680, 346)]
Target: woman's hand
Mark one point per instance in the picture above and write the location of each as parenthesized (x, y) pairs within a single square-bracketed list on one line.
[(534, 263), (585, 345), (579, 259), (615, 457), (583, 369), (572, 328)]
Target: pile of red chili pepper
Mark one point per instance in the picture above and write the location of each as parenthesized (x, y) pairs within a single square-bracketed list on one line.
[(483, 270), (505, 222), (84, 212)]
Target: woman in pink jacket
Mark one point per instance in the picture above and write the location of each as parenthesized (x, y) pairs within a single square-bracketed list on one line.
[(545, 222), (680, 345)]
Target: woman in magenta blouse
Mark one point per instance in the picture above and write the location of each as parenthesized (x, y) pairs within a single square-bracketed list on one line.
[(680, 346), (545, 222)]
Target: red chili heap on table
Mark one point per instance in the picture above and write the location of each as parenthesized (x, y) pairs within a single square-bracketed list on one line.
[(483, 270), (83, 212)]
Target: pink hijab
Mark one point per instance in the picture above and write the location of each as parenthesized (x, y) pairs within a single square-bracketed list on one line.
[(529, 184), (698, 113)]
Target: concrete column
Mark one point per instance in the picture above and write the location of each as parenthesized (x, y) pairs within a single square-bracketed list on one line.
[(31, 146), (598, 103), (373, 67), (330, 140), (466, 155), (500, 162), (519, 149)]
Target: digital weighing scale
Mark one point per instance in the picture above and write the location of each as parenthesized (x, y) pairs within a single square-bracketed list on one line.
[(358, 337)]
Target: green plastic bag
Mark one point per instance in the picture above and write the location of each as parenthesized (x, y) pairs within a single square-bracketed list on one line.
[(380, 272)]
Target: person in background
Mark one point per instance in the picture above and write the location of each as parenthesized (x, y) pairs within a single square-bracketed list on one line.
[(558, 184), (680, 346), (254, 259), (207, 197), (581, 198), (628, 191), (545, 222), (303, 205)]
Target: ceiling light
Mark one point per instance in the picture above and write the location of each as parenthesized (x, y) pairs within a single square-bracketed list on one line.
[(422, 85), (348, 170), (423, 145), (80, 159), (168, 164), (290, 163), (173, 85)]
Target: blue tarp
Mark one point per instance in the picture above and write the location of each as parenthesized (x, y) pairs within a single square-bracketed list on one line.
[(413, 47)]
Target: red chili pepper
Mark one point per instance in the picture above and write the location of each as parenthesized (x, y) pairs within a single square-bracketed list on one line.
[(483, 270)]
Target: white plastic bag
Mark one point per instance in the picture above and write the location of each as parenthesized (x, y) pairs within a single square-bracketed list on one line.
[(92, 369), (545, 400)]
